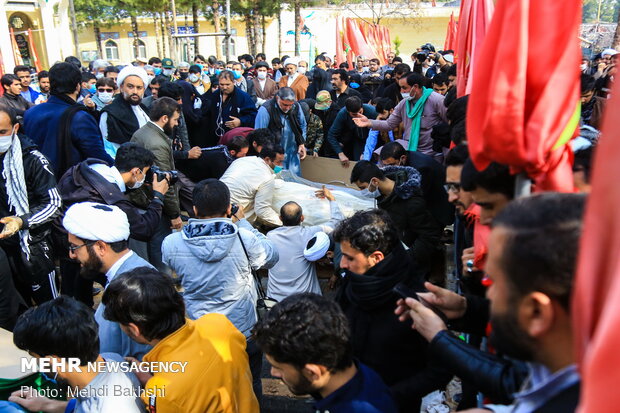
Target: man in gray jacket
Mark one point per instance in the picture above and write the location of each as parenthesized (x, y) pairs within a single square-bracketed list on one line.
[(98, 235), (214, 259)]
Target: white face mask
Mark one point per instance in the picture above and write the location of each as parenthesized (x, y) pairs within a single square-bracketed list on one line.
[(261, 75), (301, 70), (5, 142), (99, 75), (405, 95), (105, 97), (193, 78), (150, 78), (367, 193), (168, 72), (584, 66), (138, 184)]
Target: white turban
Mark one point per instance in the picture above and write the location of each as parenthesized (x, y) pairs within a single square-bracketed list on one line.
[(132, 71), (291, 61), (96, 222), (317, 247), (608, 52)]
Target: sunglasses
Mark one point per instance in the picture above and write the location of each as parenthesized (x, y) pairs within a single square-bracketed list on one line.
[(101, 90)]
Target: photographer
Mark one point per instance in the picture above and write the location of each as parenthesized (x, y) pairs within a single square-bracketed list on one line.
[(93, 180)]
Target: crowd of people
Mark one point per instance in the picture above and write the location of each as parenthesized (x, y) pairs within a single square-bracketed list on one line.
[(155, 181)]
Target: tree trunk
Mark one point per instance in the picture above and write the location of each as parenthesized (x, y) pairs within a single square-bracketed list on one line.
[(297, 24), (157, 34), (217, 25), (249, 34), (196, 26), (136, 35), (168, 31), (97, 30), (264, 27), (256, 27), (280, 32), (615, 43), (162, 28)]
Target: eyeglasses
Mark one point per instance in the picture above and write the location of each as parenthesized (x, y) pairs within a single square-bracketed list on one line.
[(74, 248), (452, 187), (102, 89)]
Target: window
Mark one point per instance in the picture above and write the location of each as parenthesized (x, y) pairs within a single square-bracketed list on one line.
[(111, 50), (141, 49)]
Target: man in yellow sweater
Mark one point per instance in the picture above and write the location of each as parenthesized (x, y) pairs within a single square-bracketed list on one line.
[(207, 362)]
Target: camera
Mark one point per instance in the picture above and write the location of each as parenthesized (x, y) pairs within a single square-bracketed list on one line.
[(234, 208), (171, 176), (421, 56)]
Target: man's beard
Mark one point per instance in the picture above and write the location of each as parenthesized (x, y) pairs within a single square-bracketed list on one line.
[(168, 129), (93, 267), (508, 338), (301, 387), (129, 99)]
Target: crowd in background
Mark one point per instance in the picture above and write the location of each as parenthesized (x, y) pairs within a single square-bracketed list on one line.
[(158, 177)]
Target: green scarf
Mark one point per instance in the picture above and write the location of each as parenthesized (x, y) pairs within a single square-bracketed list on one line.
[(415, 114)]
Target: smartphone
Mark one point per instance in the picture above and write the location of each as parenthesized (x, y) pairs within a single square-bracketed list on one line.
[(403, 291)]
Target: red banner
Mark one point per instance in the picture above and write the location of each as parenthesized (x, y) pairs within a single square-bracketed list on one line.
[(474, 20), (33, 51), (451, 35), (596, 293), (361, 39), (516, 116)]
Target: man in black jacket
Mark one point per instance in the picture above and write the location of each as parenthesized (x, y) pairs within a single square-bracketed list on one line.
[(94, 181), (126, 114), (533, 250), (376, 261), (398, 190), (29, 201)]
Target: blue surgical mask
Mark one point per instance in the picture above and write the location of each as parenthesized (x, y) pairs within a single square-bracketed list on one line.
[(200, 66), (237, 74), (277, 169), (92, 89), (157, 71), (368, 193), (218, 71), (354, 85)]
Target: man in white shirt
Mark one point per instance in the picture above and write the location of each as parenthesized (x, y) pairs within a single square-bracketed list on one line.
[(126, 114), (98, 236), (251, 183), (293, 273)]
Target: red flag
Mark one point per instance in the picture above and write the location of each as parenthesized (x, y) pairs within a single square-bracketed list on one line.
[(340, 52), (451, 35), (596, 293), (474, 19), (515, 115), (16, 55), (1, 71), (33, 51)]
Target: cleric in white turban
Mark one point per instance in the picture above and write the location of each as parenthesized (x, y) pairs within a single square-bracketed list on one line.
[(318, 246), (132, 71), (91, 221)]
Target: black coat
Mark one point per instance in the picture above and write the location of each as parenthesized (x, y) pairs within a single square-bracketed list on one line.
[(417, 227), (81, 184), (393, 349)]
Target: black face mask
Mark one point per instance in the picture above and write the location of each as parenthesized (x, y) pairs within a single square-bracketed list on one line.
[(184, 75)]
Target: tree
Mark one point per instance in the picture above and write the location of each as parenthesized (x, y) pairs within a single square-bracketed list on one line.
[(600, 11), (96, 13), (406, 10)]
